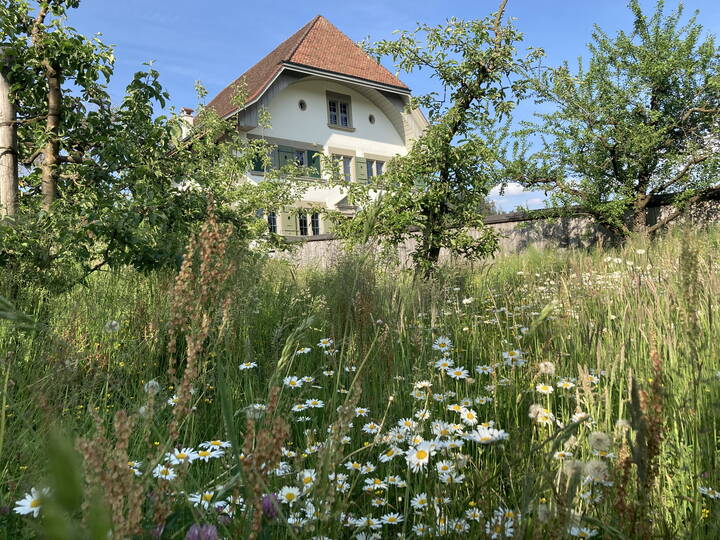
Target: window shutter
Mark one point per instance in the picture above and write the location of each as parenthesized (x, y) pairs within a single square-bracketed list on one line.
[(286, 156), (313, 161), (289, 224), (361, 170)]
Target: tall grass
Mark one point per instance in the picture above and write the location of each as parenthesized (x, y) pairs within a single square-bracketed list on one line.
[(623, 452)]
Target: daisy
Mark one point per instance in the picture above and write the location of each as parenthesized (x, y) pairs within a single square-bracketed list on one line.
[(307, 478), (565, 384), (308, 379), (303, 350), (371, 428), (288, 495), (545, 389), (173, 400), (247, 365), (361, 411), (390, 454), (458, 373), (206, 455), (299, 407), (582, 532), (292, 382), (325, 343), (419, 501), (444, 466), (485, 370), (186, 455), (314, 403), (215, 444), (407, 423), (442, 344), (443, 364), (164, 472), (418, 456), (328, 372), (32, 502), (709, 492), (422, 414), (201, 499), (372, 484), (392, 518), (562, 454), (469, 417)]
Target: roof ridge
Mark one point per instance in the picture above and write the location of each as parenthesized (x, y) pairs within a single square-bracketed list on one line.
[(309, 25)]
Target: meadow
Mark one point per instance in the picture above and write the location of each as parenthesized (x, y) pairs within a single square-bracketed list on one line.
[(546, 394)]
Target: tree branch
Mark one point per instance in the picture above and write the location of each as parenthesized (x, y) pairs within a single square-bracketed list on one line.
[(680, 211), (692, 110), (694, 161)]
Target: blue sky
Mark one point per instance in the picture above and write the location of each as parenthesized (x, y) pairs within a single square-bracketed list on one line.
[(217, 40)]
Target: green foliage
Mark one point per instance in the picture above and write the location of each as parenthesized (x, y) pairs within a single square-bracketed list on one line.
[(640, 119), (437, 190), (132, 183)]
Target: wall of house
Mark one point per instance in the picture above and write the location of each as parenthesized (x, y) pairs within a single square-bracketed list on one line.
[(311, 125)]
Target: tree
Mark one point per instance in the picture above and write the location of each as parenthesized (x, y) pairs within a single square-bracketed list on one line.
[(438, 188), (642, 120), (109, 184), (8, 144)]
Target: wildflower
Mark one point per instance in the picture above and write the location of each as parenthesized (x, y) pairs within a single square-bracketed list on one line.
[(292, 382), (485, 435), (164, 472), (444, 466), (546, 368), (215, 444), (270, 506), (497, 527), (307, 478), (599, 441), (512, 356), (371, 484), (390, 454), (469, 417), (421, 529), (582, 532), (152, 387), (32, 502), (562, 454), (201, 499), (361, 411), (422, 414), (422, 384), (202, 532), (314, 403), (206, 455), (186, 455), (303, 350), (579, 417), (288, 495), (483, 400), (596, 469), (111, 327), (485, 370), (407, 423), (173, 400), (565, 383), (458, 373), (545, 389), (325, 343), (442, 344), (392, 518), (328, 372), (444, 363), (367, 468), (247, 365), (418, 456), (473, 514), (709, 492), (299, 407), (308, 379), (419, 501)]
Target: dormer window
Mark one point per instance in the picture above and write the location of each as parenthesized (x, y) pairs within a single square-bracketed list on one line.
[(339, 111)]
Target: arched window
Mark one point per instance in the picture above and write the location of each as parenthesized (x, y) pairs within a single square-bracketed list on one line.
[(315, 223)]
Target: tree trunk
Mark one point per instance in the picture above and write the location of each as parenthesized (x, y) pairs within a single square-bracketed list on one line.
[(8, 151), (51, 151), (639, 217)]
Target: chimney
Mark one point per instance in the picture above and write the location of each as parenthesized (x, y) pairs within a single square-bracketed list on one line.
[(186, 121)]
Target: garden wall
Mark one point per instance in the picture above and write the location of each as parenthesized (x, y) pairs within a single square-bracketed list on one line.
[(517, 231)]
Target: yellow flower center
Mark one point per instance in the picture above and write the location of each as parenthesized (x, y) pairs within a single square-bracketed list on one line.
[(307, 480), (181, 455), (215, 443), (289, 496), (421, 454), (207, 497), (203, 453), (164, 472), (35, 503)]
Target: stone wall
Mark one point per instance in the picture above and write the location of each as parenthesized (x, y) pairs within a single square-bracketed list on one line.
[(516, 231)]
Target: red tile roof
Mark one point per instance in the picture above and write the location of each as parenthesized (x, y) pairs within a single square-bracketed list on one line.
[(318, 45)]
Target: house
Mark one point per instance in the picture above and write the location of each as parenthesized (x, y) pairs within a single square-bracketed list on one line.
[(326, 96)]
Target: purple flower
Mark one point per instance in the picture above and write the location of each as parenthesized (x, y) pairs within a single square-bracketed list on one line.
[(202, 532), (270, 505)]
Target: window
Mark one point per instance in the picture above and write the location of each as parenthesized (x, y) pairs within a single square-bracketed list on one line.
[(302, 221), (300, 157), (287, 155), (272, 222), (315, 223), (374, 167), (339, 112), (345, 166)]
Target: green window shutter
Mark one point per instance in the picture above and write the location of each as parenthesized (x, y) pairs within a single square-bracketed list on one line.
[(286, 156), (313, 161), (289, 224), (361, 170)]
